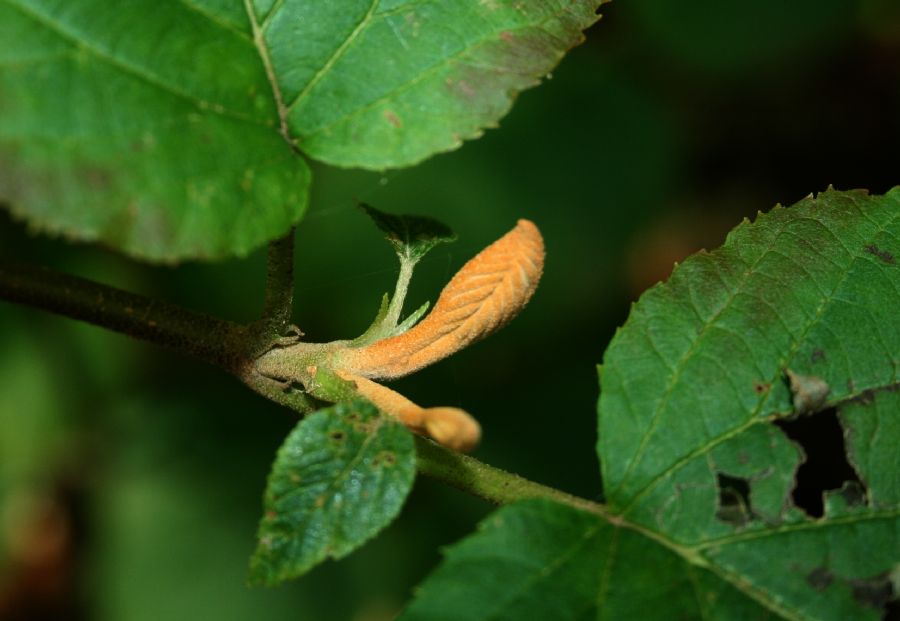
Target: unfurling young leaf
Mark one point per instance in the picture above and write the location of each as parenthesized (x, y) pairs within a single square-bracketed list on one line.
[(482, 297), (339, 478)]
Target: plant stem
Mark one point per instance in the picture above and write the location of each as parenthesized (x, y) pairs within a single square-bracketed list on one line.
[(395, 308), (279, 302), (232, 346), (212, 340), (487, 482)]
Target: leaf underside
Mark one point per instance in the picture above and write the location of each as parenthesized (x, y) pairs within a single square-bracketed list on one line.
[(170, 130), (697, 474), (339, 478), (410, 236)]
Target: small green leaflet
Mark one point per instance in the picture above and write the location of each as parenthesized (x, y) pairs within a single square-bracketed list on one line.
[(691, 387), (186, 138), (340, 477), (411, 236)]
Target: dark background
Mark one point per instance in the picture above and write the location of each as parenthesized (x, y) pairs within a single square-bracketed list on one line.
[(131, 478)]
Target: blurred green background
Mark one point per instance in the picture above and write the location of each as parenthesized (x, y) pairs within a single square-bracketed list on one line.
[(131, 478)]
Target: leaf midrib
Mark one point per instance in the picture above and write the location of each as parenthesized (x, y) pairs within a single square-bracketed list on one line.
[(329, 492), (335, 55)]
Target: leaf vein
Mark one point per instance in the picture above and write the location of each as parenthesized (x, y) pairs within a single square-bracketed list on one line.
[(137, 72), (336, 55)]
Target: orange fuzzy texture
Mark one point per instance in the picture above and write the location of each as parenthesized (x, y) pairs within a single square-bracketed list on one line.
[(452, 427), (481, 298)]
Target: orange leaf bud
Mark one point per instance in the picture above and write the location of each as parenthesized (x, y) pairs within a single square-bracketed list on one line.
[(480, 299)]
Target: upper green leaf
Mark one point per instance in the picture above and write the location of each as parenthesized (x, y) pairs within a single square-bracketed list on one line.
[(175, 129), (411, 236), (340, 477), (379, 84), (700, 522), (148, 126)]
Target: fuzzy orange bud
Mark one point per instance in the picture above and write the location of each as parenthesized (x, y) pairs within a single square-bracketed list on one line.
[(480, 299), (451, 427)]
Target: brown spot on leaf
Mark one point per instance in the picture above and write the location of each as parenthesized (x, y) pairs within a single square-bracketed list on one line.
[(271, 515), (884, 255), (507, 36), (337, 436), (874, 592), (761, 388), (820, 578), (385, 458), (393, 119), (818, 355)]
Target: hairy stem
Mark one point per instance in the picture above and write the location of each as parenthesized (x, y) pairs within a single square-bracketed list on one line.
[(395, 308), (279, 302), (210, 339), (487, 482), (233, 347)]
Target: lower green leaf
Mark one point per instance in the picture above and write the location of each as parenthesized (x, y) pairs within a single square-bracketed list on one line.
[(540, 560), (340, 477), (530, 560)]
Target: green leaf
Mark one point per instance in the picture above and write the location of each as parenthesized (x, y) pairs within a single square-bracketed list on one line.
[(412, 319), (149, 127), (411, 236), (539, 560), (386, 84), (175, 129), (795, 313), (339, 478), (700, 523), (373, 332)]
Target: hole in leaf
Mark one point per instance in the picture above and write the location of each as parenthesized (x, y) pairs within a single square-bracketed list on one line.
[(337, 436), (734, 500), (892, 610), (826, 466)]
